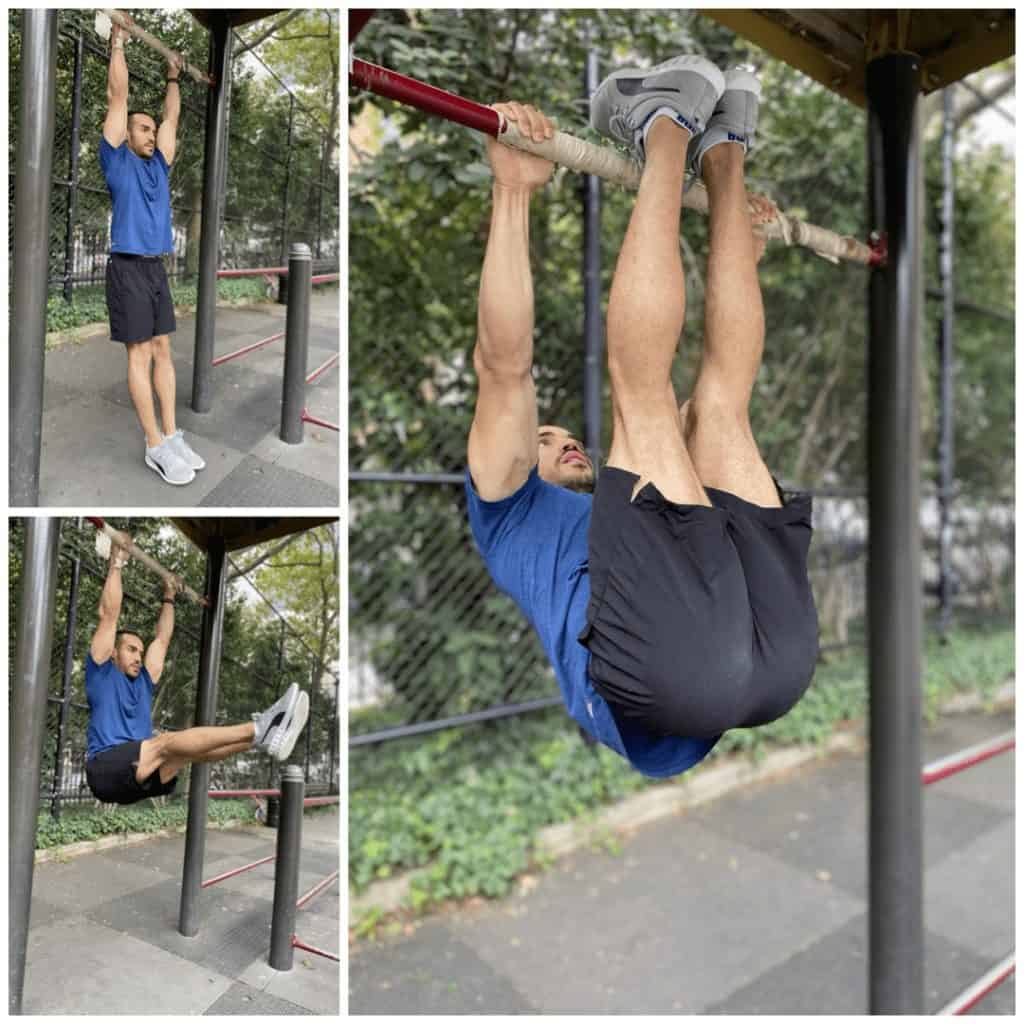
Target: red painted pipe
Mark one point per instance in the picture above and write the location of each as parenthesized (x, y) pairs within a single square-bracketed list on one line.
[(318, 888), (247, 349), (313, 949), (963, 759), (307, 418), (424, 97), (322, 368), (237, 871)]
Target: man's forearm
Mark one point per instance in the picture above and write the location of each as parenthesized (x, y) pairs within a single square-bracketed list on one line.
[(117, 73), (172, 101), (505, 316), (112, 595), (165, 623)]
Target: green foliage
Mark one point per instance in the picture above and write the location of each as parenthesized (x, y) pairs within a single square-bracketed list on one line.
[(467, 804)]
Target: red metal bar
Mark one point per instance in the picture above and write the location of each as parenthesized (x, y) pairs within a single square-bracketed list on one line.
[(324, 278), (320, 801), (312, 949), (251, 271), (322, 368), (946, 766), (237, 871), (248, 348), (307, 418), (227, 794), (318, 888), (973, 994), (424, 97)]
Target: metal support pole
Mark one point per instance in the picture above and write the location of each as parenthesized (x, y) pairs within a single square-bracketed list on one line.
[(27, 732), (593, 337), (896, 942), (214, 169), (296, 342), (947, 402), (75, 146), (285, 199), (33, 177), (210, 643), (286, 875), (65, 692)]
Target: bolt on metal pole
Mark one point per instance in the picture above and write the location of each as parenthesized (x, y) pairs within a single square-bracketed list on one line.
[(895, 627), (211, 641), (286, 873), (296, 342), (33, 164), (29, 684)]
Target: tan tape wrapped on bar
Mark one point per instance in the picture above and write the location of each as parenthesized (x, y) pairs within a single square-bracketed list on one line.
[(609, 164)]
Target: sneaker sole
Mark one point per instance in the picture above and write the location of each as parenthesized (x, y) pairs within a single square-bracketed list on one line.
[(155, 466), (295, 727)]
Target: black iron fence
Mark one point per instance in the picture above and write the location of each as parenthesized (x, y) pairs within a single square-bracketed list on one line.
[(282, 181), (258, 663)]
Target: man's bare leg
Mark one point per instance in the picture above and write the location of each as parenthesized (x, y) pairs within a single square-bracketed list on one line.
[(646, 310), (140, 387), (717, 424), (164, 382), (171, 768), (191, 745)]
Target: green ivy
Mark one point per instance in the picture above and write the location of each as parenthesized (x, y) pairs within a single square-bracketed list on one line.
[(467, 804)]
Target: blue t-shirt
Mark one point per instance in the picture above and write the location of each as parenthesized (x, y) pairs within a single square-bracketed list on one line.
[(142, 200), (120, 709), (534, 543)]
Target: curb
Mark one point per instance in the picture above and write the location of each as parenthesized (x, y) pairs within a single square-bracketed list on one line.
[(732, 773)]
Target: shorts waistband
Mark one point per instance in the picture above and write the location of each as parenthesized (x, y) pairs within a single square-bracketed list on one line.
[(136, 256)]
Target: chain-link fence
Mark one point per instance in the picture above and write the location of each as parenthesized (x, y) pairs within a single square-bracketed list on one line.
[(282, 182), (262, 656)]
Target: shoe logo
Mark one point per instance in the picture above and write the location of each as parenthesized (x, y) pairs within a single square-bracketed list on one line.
[(636, 87)]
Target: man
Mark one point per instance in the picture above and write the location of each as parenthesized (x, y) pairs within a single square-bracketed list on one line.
[(674, 604), (136, 157), (126, 761)]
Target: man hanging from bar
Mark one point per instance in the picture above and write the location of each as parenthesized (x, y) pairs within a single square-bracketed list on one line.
[(674, 604), (136, 157), (125, 760)]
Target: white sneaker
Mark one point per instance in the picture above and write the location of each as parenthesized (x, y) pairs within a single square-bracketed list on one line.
[(165, 461), (183, 450)]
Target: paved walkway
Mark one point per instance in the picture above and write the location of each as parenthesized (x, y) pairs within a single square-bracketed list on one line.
[(104, 939), (753, 904), (92, 451)]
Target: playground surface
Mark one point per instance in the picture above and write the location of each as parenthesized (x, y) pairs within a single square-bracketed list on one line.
[(104, 930), (92, 445), (755, 903)]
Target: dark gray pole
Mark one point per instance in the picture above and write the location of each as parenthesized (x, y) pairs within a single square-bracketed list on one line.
[(32, 183), (210, 641), (947, 401), (285, 199), (286, 868), (65, 692), (75, 146), (215, 156), (296, 342), (593, 332), (896, 941), (27, 730)]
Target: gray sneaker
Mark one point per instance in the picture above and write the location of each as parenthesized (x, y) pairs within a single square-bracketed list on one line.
[(623, 103), (184, 451), (734, 118), (165, 461)]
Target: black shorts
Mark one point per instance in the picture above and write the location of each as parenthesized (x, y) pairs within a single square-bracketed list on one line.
[(111, 776), (138, 298), (700, 619)]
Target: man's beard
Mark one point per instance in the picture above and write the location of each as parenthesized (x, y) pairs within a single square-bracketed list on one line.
[(580, 484)]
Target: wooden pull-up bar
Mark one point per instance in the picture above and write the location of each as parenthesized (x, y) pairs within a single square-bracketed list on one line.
[(122, 540), (155, 44)]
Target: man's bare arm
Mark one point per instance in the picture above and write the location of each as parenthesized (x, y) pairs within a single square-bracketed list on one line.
[(156, 653), (503, 438), (102, 644), (115, 127), (167, 133)]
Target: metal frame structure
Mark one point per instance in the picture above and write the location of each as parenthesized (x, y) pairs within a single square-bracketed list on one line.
[(892, 88)]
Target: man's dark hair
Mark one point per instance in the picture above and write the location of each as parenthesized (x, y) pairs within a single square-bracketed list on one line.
[(140, 113), (131, 632)]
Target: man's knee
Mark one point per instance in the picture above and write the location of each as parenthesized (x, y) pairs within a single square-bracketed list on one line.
[(161, 347), (140, 353)]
